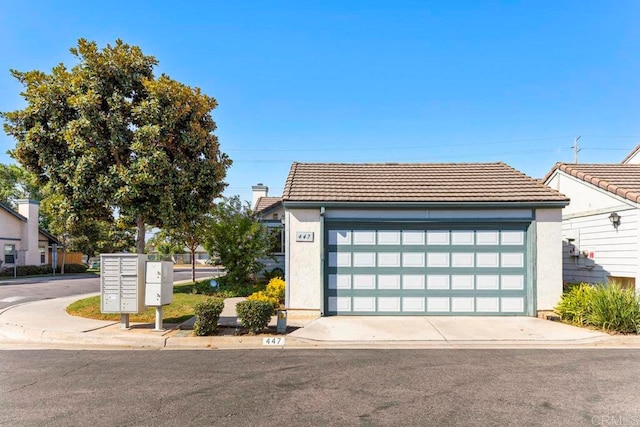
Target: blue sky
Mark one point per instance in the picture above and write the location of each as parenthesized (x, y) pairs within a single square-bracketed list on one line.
[(370, 81)]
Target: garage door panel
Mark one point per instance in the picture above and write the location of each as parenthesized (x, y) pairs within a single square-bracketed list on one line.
[(373, 270)]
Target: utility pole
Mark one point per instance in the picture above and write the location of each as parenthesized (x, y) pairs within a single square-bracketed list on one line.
[(576, 150)]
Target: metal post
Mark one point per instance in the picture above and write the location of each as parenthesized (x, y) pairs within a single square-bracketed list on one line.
[(158, 327), (54, 257), (124, 320), (15, 263)]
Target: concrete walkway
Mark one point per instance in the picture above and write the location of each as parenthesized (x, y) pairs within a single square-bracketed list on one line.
[(46, 323)]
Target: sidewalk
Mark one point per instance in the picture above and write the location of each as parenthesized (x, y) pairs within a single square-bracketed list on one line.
[(47, 323)]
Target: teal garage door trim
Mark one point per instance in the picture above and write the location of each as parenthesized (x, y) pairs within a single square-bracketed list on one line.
[(429, 268)]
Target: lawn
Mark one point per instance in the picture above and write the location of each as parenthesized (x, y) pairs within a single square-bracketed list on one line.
[(181, 309)]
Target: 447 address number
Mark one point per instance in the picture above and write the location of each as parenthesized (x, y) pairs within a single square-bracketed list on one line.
[(277, 341)]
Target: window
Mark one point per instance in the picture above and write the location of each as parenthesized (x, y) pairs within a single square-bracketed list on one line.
[(43, 257), (9, 254), (278, 246)]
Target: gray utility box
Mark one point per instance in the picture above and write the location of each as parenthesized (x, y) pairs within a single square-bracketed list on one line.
[(159, 283), (122, 283)]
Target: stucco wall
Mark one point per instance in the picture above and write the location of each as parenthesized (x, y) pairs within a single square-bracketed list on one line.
[(10, 231), (304, 259), (549, 258)]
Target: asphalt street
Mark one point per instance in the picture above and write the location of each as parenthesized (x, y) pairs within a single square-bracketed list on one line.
[(39, 288), (320, 387)]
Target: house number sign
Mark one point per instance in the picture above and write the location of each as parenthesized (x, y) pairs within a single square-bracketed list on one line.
[(304, 236)]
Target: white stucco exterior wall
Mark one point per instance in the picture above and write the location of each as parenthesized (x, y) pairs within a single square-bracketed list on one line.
[(548, 265), (304, 260)]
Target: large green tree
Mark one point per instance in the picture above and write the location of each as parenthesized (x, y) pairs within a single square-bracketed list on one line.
[(17, 183), (113, 140), (239, 239)]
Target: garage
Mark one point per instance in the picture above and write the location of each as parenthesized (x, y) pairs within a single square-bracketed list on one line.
[(421, 239), (396, 269)]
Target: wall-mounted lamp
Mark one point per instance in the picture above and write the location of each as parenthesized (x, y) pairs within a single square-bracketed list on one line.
[(615, 219)]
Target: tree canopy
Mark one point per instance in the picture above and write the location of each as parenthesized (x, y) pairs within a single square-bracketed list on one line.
[(111, 139), (16, 183), (239, 239)]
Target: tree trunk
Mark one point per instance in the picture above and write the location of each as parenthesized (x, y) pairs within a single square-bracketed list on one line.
[(64, 259), (193, 264), (141, 232)]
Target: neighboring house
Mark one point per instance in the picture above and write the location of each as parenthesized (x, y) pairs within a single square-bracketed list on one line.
[(421, 239), (601, 225), (22, 242), (633, 157), (271, 213), (201, 256)]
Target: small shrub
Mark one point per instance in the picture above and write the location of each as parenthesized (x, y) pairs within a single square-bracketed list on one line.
[(27, 270), (203, 287), (207, 316), (275, 289), (254, 315), (273, 294), (575, 303), (615, 309), (262, 296), (74, 268)]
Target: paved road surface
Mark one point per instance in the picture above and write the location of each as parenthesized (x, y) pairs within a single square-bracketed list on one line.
[(321, 387), (38, 288)]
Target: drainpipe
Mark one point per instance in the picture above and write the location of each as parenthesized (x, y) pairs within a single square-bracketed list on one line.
[(287, 258), (322, 254)]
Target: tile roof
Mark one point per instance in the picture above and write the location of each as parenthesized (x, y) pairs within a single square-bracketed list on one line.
[(631, 154), (620, 179), (266, 203), (414, 182)]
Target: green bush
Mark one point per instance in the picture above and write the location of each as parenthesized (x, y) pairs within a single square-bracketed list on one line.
[(34, 270), (263, 296), (608, 307), (207, 316), (615, 309), (273, 294), (74, 268), (254, 315), (27, 270), (576, 303), (203, 287)]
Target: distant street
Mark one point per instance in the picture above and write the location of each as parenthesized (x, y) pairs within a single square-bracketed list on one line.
[(39, 288), (321, 387)]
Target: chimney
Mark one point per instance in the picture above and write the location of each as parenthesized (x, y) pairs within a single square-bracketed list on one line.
[(259, 190), (30, 210)]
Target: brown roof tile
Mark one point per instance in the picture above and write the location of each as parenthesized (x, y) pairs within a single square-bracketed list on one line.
[(620, 179), (266, 203), (634, 151), (414, 182)]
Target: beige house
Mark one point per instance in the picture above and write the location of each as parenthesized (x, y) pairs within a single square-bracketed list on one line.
[(421, 239), (22, 242)]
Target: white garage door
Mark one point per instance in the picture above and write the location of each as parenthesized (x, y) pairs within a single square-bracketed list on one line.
[(418, 270)]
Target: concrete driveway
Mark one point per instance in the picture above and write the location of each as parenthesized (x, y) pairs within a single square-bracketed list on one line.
[(443, 328)]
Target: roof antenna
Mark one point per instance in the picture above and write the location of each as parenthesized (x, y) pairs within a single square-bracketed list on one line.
[(576, 150)]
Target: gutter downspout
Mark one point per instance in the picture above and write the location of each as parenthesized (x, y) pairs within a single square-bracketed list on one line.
[(322, 254), (287, 259)]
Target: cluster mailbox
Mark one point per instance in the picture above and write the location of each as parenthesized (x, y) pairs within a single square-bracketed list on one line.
[(122, 283), (159, 283)]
